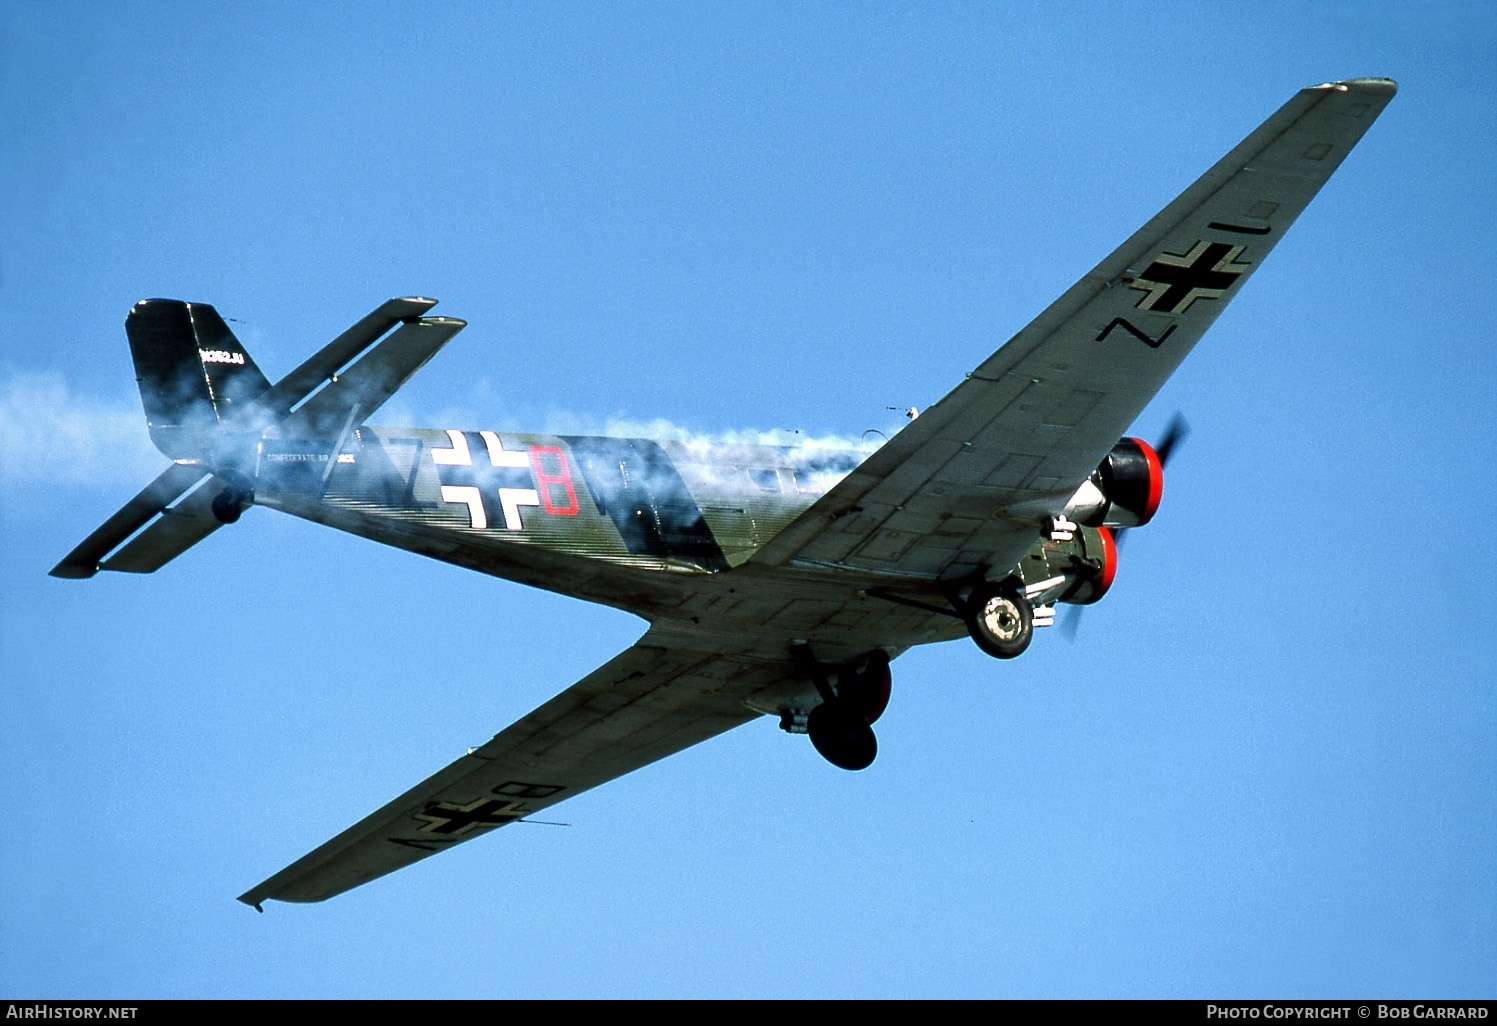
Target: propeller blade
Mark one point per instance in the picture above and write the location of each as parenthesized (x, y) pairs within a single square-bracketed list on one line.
[(1070, 622), (1177, 432)]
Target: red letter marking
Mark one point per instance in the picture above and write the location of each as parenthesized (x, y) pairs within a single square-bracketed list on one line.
[(545, 480)]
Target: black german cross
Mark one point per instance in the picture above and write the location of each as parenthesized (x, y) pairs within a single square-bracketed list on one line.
[(447, 818), (1175, 280)]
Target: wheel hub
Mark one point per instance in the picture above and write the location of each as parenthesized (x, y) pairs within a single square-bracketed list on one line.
[(1001, 616)]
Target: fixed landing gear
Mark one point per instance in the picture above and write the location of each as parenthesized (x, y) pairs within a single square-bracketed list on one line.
[(842, 737), (228, 504), (841, 727), (1000, 619)]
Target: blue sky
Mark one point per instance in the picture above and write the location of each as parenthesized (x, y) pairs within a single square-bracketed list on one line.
[(1265, 768)]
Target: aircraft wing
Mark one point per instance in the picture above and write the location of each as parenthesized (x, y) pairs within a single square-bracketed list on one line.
[(966, 484), (651, 700)]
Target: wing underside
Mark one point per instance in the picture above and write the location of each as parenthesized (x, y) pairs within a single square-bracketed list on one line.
[(648, 702), (965, 486)]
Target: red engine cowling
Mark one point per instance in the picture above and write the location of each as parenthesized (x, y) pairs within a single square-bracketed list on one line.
[(1099, 548), (1077, 569), (1124, 491)]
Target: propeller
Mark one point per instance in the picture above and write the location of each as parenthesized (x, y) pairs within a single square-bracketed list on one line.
[(1175, 433)]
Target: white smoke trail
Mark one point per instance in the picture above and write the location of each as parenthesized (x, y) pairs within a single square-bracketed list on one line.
[(661, 429), (475, 408), (50, 435), (717, 459)]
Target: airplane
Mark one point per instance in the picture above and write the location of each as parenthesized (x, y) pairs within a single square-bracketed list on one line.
[(777, 581)]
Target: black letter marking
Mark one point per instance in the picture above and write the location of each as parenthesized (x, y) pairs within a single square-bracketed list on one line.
[(516, 789), (1118, 322), (432, 845), (1240, 228), (636, 484)]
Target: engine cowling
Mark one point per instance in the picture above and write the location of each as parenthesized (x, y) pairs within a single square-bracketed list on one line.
[(1078, 569), (1124, 490), (1098, 565)]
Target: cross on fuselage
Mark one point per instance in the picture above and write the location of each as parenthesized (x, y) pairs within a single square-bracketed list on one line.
[(488, 479), (1173, 287)]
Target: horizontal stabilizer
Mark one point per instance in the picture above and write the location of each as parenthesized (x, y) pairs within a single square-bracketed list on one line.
[(197, 383), (178, 529), (357, 392), (327, 361), (84, 560)]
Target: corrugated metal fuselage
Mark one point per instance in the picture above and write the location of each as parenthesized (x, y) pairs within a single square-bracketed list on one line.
[(662, 529)]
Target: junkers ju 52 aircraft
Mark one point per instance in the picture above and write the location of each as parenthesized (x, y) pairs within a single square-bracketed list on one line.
[(776, 581)]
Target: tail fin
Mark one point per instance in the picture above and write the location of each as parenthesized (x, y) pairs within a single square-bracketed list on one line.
[(193, 373), (195, 377)]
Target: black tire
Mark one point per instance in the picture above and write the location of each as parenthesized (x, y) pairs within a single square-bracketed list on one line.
[(226, 507), (844, 741), (866, 690), (1000, 619)]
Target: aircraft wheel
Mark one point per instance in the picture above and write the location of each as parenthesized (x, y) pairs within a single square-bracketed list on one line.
[(867, 690), (844, 740), (1001, 620), (226, 506)]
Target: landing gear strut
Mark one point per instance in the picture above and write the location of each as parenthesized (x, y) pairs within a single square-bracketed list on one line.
[(841, 726), (1000, 619)]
